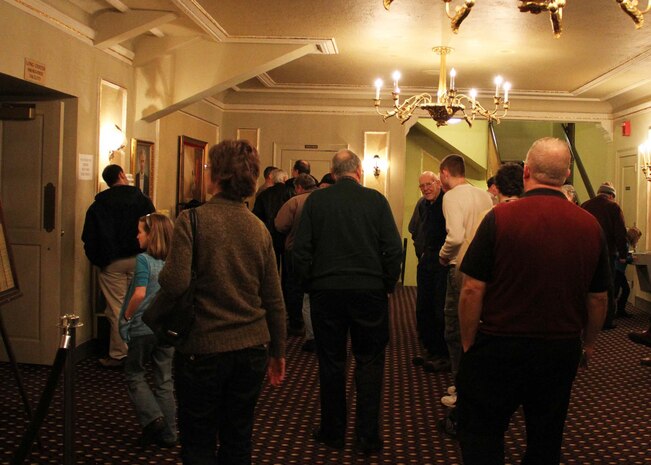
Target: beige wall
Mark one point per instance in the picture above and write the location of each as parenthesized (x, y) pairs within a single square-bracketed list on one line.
[(76, 69), (324, 129), (170, 128), (624, 145)]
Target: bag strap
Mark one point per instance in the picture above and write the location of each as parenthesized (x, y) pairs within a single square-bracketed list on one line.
[(193, 225)]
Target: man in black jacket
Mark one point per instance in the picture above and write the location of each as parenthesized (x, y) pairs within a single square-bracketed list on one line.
[(266, 208), (427, 228), (347, 253), (111, 244)]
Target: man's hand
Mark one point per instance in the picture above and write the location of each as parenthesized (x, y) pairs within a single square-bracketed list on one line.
[(444, 261), (276, 371)]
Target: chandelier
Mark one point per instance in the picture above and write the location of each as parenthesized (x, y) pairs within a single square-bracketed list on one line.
[(448, 103), (554, 7)]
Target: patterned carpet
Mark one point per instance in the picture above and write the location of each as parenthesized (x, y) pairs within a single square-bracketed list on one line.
[(609, 420)]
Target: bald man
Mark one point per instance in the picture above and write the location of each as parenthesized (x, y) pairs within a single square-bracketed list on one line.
[(533, 299), (347, 251)]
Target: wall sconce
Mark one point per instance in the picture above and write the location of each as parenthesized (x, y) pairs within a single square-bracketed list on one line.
[(112, 142), (116, 137), (376, 166), (644, 152)]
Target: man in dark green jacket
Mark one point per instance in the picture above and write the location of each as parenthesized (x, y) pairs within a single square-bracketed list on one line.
[(347, 253)]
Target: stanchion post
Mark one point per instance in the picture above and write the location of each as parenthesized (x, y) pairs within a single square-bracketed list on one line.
[(69, 325)]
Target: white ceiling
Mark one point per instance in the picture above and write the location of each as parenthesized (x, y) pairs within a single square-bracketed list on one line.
[(600, 58)]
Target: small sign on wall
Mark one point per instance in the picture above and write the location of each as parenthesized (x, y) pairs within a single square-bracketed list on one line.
[(85, 167), (34, 71)]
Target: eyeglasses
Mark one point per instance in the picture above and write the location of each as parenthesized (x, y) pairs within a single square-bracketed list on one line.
[(427, 185)]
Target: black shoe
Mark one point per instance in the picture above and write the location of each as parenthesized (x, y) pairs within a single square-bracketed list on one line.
[(441, 365), (418, 360), (309, 346), (334, 443), (110, 362), (623, 314), (641, 338), (151, 432), (447, 426), (166, 443), (369, 446), (295, 330), (608, 325)]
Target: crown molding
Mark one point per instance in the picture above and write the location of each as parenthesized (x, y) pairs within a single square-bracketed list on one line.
[(605, 77), (636, 110), (192, 8), (55, 18), (201, 18), (70, 26), (271, 86), (370, 111)]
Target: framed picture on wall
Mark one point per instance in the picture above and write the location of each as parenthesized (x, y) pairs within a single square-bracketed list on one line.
[(190, 188), (142, 166)]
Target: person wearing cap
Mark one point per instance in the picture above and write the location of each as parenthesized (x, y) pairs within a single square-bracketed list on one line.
[(609, 215)]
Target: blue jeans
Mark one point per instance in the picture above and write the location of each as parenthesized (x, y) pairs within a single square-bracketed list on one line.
[(160, 402), (217, 394)]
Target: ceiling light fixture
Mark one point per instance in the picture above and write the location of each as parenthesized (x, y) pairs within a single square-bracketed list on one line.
[(448, 102), (555, 8)]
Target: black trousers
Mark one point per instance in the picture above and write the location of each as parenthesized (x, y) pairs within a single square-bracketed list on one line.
[(216, 395), (365, 314), (431, 279), (292, 292), (499, 374), (621, 285), (612, 296)]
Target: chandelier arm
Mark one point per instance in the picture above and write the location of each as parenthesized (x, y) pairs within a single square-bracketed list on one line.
[(447, 9), (630, 8), (461, 15)]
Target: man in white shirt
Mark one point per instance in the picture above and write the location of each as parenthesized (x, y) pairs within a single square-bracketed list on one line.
[(464, 206)]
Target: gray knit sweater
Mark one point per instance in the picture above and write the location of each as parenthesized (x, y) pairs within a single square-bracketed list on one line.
[(238, 294)]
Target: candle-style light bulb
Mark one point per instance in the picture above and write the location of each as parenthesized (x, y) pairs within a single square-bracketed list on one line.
[(507, 88), (498, 82), (396, 77), (378, 86), (453, 74), (473, 96)]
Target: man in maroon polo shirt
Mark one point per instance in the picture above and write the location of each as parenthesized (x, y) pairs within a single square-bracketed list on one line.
[(533, 297)]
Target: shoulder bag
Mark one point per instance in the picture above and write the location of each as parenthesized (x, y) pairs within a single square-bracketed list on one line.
[(171, 319)]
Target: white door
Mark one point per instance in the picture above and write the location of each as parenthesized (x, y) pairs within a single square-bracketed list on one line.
[(627, 198), (319, 156), (30, 157)]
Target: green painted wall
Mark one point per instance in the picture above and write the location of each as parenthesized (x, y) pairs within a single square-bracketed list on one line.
[(427, 145)]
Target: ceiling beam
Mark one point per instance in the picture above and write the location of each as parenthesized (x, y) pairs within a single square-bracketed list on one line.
[(203, 68), (114, 27)]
